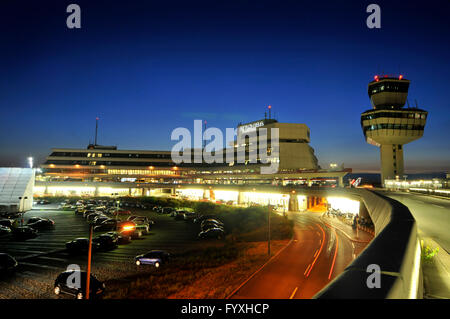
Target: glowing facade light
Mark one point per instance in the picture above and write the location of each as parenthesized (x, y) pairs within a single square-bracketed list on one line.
[(128, 227), (30, 162)]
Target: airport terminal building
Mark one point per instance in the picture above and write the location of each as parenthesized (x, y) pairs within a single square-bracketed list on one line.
[(106, 170)]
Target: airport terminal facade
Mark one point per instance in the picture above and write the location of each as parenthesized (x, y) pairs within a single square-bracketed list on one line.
[(108, 171)]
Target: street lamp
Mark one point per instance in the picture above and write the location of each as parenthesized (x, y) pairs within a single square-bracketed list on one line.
[(20, 206), (30, 162), (268, 229), (88, 279), (116, 195)]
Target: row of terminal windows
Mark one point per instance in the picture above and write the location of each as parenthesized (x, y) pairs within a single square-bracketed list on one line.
[(393, 127), (139, 172), (112, 155), (388, 87), (408, 115), (143, 164)]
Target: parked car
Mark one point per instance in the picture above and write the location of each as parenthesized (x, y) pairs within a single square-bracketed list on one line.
[(42, 224), (24, 233), (141, 220), (63, 284), (201, 218), (5, 230), (90, 218), (121, 237), (209, 225), (106, 242), (7, 222), (80, 245), (212, 221), (129, 228), (99, 219), (190, 216), (7, 264), (217, 233), (33, 220), (87, 212), (143, 228), (106, 225), (155, 258)]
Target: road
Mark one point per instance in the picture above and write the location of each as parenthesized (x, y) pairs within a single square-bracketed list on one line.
[(317, 254), (431, 213)]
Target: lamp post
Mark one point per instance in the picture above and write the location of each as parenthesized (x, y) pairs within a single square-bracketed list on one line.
[(88, 279), (116, 195), (268, 229), (20, 208)]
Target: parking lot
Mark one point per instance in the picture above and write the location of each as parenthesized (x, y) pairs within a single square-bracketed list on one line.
[(42, 258)]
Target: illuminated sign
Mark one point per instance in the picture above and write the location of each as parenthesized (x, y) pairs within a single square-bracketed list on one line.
[(250, 127)]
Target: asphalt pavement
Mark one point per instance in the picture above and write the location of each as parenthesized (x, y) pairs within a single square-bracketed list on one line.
[(316, 255), (431, 213)]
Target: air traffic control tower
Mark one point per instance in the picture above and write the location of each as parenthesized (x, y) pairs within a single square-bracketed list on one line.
[(388, 125)]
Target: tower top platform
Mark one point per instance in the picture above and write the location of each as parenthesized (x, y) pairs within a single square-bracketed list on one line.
[(388, 92)]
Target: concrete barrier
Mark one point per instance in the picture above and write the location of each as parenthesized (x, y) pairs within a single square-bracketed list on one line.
[(395, 249)]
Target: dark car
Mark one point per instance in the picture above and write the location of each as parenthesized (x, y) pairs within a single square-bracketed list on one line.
[(190, 216), (90, 217), (141, 220), (24, 233), (42, 224), (73, 282), (6, 222), (122, 238), (81, 245), (7, 264), (212, 221), (87, 212), (106, 242), (106, 225), (201, 218), (217, 233), (33, 220), (209, 225), (155, 258), (5, 230), (99, 220)]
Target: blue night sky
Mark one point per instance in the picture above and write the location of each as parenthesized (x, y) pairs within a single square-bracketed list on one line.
[(147, 67)]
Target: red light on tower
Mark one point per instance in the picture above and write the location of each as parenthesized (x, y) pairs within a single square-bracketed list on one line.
[(400, 77), (376, 78)]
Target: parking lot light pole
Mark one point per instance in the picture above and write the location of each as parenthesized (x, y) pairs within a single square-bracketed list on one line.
[(88, 279), (268, 229)]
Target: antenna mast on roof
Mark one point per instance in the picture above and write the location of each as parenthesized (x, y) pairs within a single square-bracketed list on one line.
[(96, 129)]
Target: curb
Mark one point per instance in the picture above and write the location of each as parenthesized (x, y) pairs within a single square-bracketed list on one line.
[(345, 234), (259, 269)]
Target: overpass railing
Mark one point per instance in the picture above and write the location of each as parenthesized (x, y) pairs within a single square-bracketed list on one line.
[(395, 250)]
